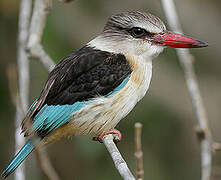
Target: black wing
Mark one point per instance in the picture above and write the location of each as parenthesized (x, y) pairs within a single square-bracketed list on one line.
[(85, 74)]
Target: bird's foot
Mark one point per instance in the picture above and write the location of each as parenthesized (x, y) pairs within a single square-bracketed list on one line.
[(116, 134)]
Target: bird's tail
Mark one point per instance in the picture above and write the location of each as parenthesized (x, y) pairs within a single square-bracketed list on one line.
[(18, 159)]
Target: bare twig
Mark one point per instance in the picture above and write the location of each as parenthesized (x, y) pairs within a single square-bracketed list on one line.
[(46, 165), (38, 21), (119, 162), (23, 77), (186, 60), (138, 151)]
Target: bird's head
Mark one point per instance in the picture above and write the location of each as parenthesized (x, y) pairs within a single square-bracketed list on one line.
[(138, 33)]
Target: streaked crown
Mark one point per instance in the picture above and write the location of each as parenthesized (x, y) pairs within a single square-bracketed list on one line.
[(129, 23)]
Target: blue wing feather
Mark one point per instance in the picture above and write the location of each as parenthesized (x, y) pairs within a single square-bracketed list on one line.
[(19, 158), (50, 117)]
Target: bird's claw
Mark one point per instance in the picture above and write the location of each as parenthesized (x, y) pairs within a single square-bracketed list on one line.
[(116, 134)]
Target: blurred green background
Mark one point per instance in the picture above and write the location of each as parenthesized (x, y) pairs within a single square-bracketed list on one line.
[(171, 149)]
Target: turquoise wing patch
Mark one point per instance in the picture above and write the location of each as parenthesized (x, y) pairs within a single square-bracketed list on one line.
[(50, 117), (53, 116)]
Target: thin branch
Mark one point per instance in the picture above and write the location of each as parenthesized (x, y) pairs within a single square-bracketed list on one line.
[(46, 165), (23, 77), (138, 151), (119, 162), (38, 21), (186, 61)]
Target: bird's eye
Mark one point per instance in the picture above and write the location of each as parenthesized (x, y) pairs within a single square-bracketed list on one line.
[(138, 32)]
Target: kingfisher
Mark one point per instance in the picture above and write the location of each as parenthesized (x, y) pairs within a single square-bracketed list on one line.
[(92, 89)]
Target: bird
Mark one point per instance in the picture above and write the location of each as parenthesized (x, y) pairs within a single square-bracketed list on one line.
[(92, 89)]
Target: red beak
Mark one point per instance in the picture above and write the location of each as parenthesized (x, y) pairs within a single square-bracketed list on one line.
[(175, 40)]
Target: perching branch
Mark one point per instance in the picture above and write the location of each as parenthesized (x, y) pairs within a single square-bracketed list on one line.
[(186, 61), (119, 162), (38, 21), (138, 151)]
